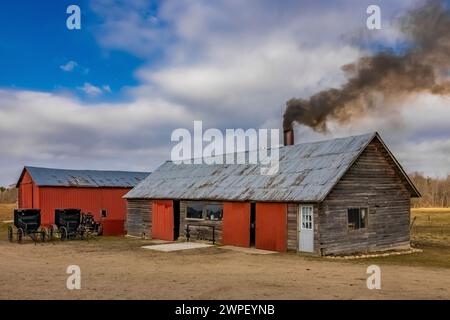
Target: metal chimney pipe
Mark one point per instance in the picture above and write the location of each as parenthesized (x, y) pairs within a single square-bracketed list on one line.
[(289, 137)]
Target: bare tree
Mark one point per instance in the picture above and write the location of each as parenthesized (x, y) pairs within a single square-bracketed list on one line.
[(435, 191)]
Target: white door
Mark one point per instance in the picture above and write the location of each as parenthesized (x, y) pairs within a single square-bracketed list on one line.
[(306, 225)]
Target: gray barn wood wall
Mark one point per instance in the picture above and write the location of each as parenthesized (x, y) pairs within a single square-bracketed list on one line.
[(292, 227), (372, 182), (201, 231), (139, 215)]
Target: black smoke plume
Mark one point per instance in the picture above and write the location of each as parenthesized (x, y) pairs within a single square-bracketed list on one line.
[(373, 81)]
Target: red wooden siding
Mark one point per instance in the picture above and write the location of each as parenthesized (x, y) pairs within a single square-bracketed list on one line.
[(271, 226), (162, 220), (91, 200), (28, 193), (236, 224)]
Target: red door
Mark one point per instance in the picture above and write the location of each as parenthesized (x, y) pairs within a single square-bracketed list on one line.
[(162, 220), (271, 226), (236, 224)]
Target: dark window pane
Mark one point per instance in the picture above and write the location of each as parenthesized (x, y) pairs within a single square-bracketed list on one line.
[(195, 210), (214, 211), (363, 217), (357, 218)]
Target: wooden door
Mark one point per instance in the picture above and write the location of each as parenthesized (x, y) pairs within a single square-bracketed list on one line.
[(236, 224), (271, 226), (162, 220), (306, 229)]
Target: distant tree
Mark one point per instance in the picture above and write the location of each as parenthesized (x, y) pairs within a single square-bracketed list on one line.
[(435, 191)]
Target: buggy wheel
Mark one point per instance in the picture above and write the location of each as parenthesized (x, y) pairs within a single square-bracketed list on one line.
[(52, 231), (43, 234), (63, 233), (47, 231), (20, 235), (10, 234), (100, 230)]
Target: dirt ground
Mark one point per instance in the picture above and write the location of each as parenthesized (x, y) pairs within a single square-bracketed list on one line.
[(118, 268)]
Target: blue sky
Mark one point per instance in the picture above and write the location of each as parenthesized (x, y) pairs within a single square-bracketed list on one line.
[(35, 44), (109, 95)]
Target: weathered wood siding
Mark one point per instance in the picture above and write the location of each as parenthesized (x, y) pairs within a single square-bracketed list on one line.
[(139, 218), (198, 232), (292, 227), (372, 182)]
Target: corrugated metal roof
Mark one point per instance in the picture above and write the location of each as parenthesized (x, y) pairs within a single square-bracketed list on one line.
[(307, 172), (84, 178)]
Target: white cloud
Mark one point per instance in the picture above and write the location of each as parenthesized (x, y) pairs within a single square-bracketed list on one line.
[(106, 88), (69, 66), (229, 63), (52, 130), (93, 91)]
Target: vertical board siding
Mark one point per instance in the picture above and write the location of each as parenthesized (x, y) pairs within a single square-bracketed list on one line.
[(28, 192), (162, 220), (91, 200), (271, 226), (139, 218), (87, 199), (236, 224), (373, 182), (292, 227)]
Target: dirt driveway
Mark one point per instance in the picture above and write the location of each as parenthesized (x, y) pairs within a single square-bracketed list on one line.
[(114, 268)]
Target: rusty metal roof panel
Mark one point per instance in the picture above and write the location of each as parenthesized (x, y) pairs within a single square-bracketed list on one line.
[(307, 172), (84, 178)]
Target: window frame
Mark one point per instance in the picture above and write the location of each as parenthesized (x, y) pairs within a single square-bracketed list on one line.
[(366, 219), (312, 217), (106, 213), (204, 213)]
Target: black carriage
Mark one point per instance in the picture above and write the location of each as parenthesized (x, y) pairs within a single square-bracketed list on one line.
[(27, 222), (71, 223), (88, 226)]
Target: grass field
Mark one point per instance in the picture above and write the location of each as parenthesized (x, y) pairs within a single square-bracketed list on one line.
[(431, 233), (6, 214)]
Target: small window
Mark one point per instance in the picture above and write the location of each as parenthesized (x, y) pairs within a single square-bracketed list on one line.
[(357, 218), (214, 211), (307, 217), (206, 211), (104, 213), (195, 210)]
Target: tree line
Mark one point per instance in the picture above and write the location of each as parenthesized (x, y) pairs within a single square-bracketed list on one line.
[(435, 191), (8, 195)]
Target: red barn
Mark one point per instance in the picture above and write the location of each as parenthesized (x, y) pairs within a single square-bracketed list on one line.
[(97, 192)]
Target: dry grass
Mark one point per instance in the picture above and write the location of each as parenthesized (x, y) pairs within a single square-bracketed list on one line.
[(6, 214), (431, 226), (6, 211), (431, 233)]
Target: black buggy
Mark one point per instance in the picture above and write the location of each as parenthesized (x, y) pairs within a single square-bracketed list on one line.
[(27, 222), (71, 223), (67, 222)]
